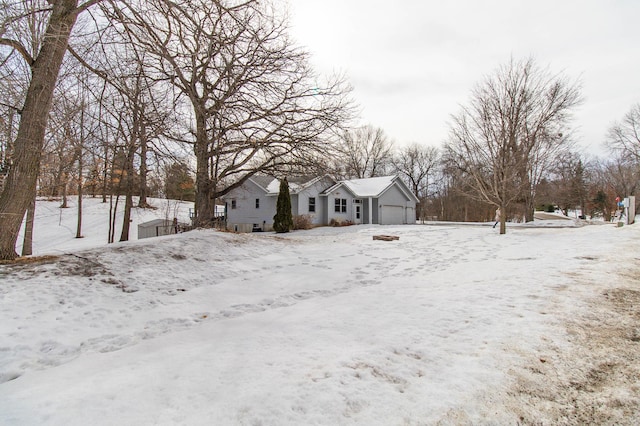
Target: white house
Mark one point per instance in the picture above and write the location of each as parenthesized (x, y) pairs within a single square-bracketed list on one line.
[(382, 200)]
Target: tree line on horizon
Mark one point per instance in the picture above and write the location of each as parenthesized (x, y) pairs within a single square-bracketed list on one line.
[(188, 99)]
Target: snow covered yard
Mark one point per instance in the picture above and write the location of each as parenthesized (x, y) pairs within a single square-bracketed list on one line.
[(447, 325)]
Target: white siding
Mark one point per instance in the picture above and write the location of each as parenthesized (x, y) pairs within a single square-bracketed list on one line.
[(331, 206), (314, 191), (411, 215), (396, 208), (245, 215)]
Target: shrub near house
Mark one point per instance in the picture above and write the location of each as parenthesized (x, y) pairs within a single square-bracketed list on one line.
[(283, 219)]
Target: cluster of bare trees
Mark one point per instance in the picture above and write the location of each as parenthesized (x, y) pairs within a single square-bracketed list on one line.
[(572, 181), (510, 148), (216, 85), (106, 96)]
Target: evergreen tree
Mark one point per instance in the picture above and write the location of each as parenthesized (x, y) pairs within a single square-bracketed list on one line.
[(179, 184), (283, 219)]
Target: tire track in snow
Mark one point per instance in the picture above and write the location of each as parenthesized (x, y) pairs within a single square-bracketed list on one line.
[(371, 266)]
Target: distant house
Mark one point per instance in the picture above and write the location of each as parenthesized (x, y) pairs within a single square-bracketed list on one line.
[(381, 200)]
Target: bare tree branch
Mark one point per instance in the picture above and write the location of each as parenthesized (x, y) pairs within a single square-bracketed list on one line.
[(19, 47), (624, 137)]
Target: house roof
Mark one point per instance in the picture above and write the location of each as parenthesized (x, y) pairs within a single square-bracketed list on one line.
[(296, 184), (271, 185), (262, 181), (370, 187)]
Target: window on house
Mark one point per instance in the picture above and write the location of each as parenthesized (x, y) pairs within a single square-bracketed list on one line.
[(257, 203), (341, 205), (233, 204), (312, 204)]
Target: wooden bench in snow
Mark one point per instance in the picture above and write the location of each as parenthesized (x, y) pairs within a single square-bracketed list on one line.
[(385, 237)]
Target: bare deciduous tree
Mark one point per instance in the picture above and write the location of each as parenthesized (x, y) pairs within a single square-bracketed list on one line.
[(416, 164), (45, 65), (255, 103), (624, 137), (510, 132), (616, 176), (364, 152), (136, 107), (622, 176), (14, 80)]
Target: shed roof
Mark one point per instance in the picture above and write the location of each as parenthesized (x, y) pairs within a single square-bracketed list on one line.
[(156, 222)]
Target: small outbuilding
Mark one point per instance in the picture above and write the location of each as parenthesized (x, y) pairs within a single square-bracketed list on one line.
[(157, 228)]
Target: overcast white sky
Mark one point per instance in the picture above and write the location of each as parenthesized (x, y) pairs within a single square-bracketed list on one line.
[(412, 63)]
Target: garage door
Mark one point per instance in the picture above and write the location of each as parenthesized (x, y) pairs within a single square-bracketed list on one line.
[(392, 215), (411, 215)]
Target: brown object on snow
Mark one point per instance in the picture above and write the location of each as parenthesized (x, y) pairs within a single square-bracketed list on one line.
[(385, 237)]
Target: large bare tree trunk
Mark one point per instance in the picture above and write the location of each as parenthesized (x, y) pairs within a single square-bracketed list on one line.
[(529, 208), (80, 171), (5, 156), (129, 186), (113, 215), (528, 196), (205, 210), (27, 243), (142, 202), (21, 181), (126, 220), (65, 191), (106, 186)]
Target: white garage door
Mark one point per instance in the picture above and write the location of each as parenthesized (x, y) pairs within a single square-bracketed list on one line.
[(392, 215)]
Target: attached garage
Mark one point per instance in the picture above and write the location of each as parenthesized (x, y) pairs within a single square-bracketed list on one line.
[(392, 215)]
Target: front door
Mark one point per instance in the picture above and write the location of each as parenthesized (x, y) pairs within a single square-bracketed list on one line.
[(358, 214)]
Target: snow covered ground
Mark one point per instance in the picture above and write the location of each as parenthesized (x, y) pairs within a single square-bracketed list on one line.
[(55, 228), (450, 324)]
